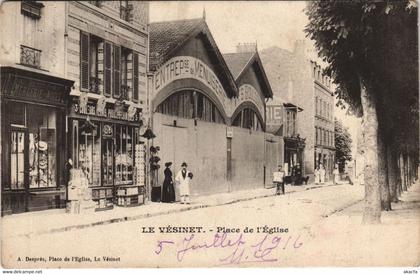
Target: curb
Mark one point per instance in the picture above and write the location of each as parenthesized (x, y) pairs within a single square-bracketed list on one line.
[(149, 215)]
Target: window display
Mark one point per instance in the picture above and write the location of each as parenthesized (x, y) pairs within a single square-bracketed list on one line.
[(124, 155), (89, 151), (33, 145)]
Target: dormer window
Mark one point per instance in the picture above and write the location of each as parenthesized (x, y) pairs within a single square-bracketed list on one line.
[(31, 9)]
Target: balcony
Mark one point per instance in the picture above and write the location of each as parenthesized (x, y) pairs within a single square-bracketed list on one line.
[(30, 57), (94, 83)]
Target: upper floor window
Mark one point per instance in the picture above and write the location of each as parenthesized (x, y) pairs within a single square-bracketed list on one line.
[(290, 123), (31, 9), (126, 10), (108, 69), (96, 3)]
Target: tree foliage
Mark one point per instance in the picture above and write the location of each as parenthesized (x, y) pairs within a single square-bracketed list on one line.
[(343, 143), (367, 42)]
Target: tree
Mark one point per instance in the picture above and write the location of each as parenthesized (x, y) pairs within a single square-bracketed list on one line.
[(371, 51), (343, 144)]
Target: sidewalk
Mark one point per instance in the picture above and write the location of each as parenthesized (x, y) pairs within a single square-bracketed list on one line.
[(57, 220)]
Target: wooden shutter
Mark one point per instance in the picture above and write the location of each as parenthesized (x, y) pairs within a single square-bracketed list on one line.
[(84, 61), (135, 77), (108, 69), (117, 73)]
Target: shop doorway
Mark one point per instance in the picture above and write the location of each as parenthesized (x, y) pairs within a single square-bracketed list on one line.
[(19, 166)]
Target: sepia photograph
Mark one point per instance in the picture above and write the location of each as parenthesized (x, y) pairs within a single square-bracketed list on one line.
[(209, 134)]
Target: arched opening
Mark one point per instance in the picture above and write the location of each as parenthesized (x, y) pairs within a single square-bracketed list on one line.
[(248, 118), (191, 104)]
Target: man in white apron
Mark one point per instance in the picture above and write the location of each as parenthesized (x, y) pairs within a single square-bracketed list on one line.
[(184, 178)]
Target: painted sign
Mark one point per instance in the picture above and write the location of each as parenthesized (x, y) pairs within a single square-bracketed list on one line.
[(188, 67), (248, 93), (91, 109)]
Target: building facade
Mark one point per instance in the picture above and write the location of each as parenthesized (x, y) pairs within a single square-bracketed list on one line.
[(302, 82), (34, 96), (74, 87), (106, 57), (204, 112)]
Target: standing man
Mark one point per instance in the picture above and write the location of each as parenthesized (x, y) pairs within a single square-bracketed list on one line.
[(278, 179), (183, 177)]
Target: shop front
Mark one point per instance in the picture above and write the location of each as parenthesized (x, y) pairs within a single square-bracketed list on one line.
[(326, 157), (294, 157), (105, 146), (32, 138)]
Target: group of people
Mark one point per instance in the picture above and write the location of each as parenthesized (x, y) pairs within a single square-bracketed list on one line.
[(279, 177), (183, 177)]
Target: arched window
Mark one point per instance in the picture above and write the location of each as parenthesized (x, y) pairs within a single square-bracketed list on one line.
[(247, 118), (190, 104)]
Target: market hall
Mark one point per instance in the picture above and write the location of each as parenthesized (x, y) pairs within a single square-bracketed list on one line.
[(206, 114)]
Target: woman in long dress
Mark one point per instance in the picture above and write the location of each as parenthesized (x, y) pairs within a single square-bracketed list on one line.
[(168, 191)]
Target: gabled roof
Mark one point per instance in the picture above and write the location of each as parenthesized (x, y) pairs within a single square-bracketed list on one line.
[(238, 63), (166, 38)]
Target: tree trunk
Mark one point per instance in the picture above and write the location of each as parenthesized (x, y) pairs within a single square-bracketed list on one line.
[(372, 210), (402, 173), (393, 173), (383, 171)]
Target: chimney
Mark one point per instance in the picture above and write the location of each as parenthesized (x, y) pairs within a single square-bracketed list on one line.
[(246, 47)]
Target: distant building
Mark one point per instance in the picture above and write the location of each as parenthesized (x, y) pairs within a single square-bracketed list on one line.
[(300, 81)]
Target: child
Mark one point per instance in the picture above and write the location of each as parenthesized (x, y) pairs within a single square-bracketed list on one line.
[(278, 179)]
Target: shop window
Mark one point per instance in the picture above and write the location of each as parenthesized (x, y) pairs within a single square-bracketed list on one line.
[(17, 159), (124, 163), (33, 146), (107, 155), (89, 151)]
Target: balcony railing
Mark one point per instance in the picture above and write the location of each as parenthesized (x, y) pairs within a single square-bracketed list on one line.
[(94, 83), (30, 57)]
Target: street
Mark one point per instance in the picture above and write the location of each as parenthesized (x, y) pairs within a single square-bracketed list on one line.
[(282, 227)]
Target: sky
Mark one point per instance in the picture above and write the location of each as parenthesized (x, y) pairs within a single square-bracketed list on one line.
[(269, 23)]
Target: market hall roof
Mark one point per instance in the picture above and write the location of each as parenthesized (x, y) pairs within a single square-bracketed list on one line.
[(239, 62), (168, 37)]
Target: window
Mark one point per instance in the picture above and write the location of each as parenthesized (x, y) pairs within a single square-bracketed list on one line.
[(316, 136), (33, 146), (189, 104), (31, 9), (107, 68), (89, 153), (95, 57), (247, 118), (316, 105), (96, 3), (126, 10), (124, 163)]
